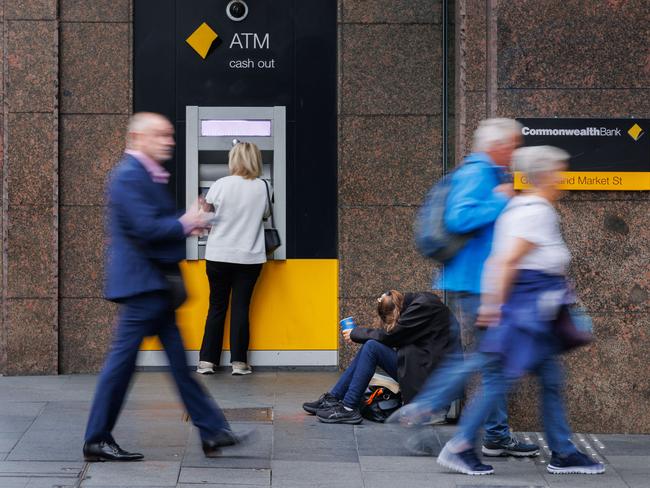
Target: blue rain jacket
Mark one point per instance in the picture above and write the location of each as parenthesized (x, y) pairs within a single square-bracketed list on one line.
[(472, 205)]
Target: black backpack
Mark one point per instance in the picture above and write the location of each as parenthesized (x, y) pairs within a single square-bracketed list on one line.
[(379, 402)]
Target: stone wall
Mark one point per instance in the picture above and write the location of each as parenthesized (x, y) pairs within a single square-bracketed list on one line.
[(390, 88), (67, 96), (554, 58)]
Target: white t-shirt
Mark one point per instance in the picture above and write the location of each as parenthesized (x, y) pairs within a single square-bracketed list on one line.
[(534, 219), (237, 235)]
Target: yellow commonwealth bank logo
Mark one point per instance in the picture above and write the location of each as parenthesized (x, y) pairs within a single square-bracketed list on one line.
[(635, 132), (202, 39)]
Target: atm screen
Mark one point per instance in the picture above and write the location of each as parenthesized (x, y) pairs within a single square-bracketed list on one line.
[(216, 128)]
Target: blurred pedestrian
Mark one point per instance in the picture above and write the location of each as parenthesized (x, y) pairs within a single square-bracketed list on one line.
[(480, 189), (234, 255), (525, 288), (147, 241)]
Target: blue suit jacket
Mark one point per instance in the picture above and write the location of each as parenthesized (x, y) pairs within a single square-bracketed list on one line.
[(144, 230)]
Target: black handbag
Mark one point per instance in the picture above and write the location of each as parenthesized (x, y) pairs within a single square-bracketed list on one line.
[(271, 235)]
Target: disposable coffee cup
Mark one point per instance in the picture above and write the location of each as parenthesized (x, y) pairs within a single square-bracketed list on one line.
[(348, 323)]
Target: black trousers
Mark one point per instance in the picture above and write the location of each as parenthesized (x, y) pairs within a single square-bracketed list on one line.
[(225, 278)]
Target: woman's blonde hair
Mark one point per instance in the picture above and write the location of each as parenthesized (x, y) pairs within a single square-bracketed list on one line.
[(245, 160), (389, 308)]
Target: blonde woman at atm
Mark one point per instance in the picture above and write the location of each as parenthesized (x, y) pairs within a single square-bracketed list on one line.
[(234, 256)]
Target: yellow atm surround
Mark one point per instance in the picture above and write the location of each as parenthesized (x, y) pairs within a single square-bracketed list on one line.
[(293, 317)]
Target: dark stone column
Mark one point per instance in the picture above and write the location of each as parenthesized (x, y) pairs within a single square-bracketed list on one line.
[(390, 85), (30, 187)]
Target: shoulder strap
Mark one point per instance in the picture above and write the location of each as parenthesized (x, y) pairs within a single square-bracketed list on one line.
[(268, 198)]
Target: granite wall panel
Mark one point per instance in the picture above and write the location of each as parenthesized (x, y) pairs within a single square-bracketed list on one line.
[(475, 46), (31, 66), (95, 73), (32, 165), (388, 160), (83, 244), (377, 253), (85, 332), (30, 9), (610, 245), (390, 69), (544, 44), (91, 145), (95, 10), (391, 11), (31, 336), (31, 251)]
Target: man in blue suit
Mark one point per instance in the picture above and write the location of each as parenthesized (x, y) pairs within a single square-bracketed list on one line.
[(147, 241)]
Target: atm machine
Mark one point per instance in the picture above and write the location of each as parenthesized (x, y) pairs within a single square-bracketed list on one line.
[(211, 133)]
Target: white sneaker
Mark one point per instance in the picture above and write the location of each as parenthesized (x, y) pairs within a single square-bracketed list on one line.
[(239, 368), (205, 367)]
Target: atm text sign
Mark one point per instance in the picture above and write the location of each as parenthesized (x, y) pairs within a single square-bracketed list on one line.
[(606, 154)]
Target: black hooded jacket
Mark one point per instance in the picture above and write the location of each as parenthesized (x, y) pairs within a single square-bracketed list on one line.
[(421, 337)]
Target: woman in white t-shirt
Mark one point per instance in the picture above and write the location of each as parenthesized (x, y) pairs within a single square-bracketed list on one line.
[(234, 255)]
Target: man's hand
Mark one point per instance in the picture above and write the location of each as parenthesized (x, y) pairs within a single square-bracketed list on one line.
[(507, 189), (346, 335), (195, 219)]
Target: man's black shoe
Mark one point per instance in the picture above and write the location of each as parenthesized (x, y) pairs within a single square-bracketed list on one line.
[(326, 400), (108, 451), (225, 438), (338, 414)]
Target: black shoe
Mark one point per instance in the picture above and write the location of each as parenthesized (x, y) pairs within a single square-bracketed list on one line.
[(226, 438), (108, 451), (576, 463), (338, 414), (326, 400)]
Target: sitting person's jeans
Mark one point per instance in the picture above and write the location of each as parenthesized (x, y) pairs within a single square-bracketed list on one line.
[(354, 380)]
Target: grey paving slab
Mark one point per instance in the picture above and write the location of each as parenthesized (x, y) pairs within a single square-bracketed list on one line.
[(399, 464), (382, 440), (8, 440), (316, 474), (307, 439), (10, 406), (13, 482), (52, 482), (63, 444), (257, 454), (213, 485), (15, 423), (46, 468), (414, 479), (257, 477), (146, 473), (609, 479), (625, 445)]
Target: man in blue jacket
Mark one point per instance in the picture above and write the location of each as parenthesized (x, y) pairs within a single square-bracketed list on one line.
[(147, 241), (480, 189)]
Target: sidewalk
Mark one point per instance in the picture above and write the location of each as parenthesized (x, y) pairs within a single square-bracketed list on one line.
[(42, 420)]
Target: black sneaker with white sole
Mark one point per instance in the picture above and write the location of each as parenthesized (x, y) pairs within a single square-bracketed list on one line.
[(576, 463), (339, 414), (326, 400), (509, 446)]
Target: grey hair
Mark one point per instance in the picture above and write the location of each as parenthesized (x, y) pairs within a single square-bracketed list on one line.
[(140, 122), (536, 160), (493, 132)]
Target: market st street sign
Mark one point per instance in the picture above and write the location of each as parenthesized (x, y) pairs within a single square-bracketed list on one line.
[(606, 154)]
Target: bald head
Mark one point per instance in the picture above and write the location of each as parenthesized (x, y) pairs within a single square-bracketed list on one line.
[(151, 134)]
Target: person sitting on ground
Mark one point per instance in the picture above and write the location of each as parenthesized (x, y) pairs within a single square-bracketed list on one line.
[(411, 336)]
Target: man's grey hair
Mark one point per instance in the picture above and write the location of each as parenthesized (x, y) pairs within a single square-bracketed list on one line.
[(494, 132), (536, 160)]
